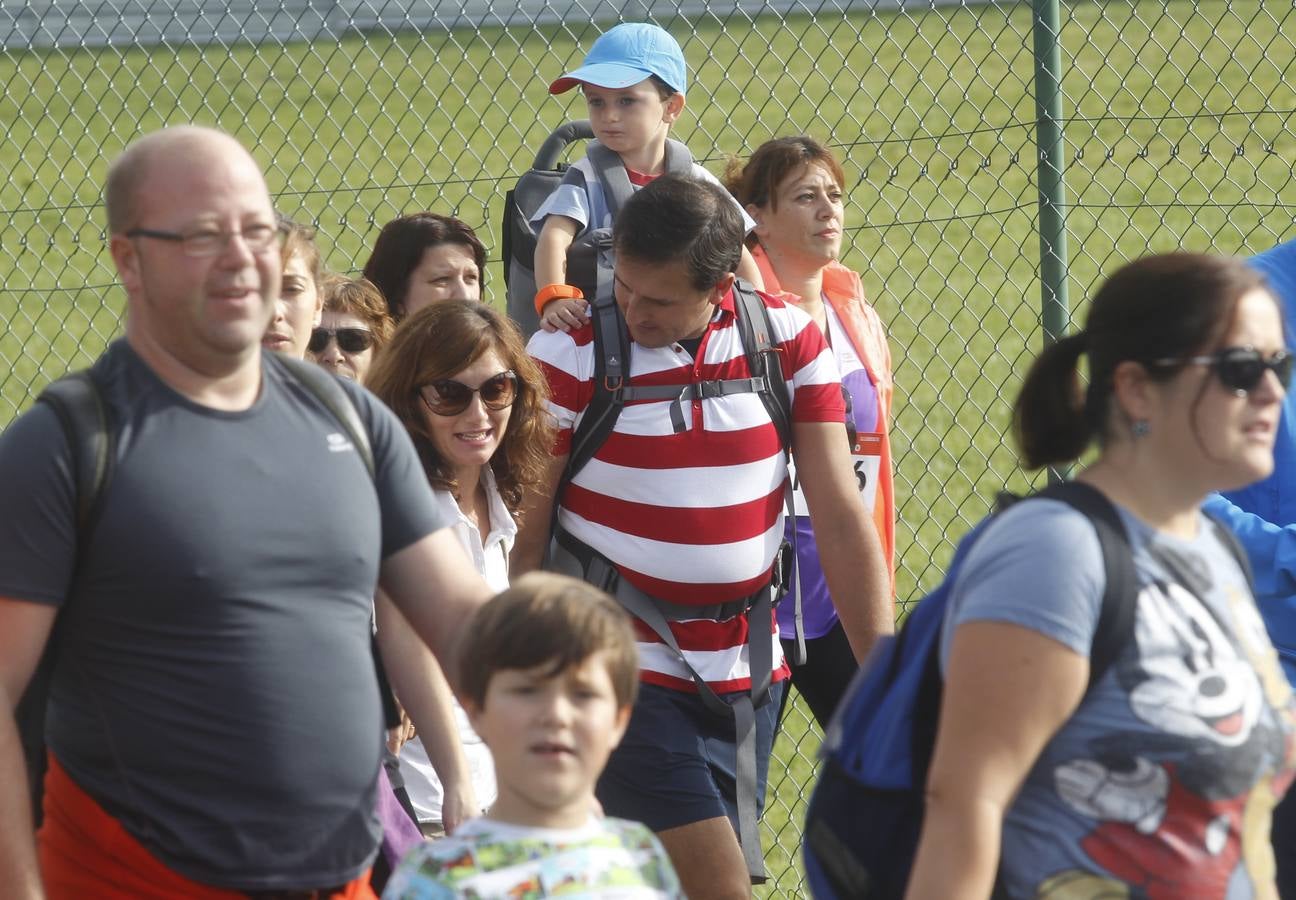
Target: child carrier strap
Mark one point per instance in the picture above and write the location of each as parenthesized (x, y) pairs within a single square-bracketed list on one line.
[(77, 400), (612, 375), (590, 260), (611, 392), (572, 557)]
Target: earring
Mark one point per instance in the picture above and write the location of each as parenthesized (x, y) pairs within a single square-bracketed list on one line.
[(1140, 428)]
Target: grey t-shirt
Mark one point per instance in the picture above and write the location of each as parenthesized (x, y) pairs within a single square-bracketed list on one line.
[(1165, 777), (215, 689)]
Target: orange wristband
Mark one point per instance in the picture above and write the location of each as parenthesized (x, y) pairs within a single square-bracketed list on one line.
[(556, 292)]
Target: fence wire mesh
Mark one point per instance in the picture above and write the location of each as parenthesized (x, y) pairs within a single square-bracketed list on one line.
[(1176, 122)]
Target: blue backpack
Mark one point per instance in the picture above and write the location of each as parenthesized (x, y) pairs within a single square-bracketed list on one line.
[(866, 812), (865, 815)]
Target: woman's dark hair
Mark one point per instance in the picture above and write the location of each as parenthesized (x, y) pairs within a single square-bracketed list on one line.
[(756, 181), (677, 219), (441, 340), (399, 249), (1162, 307)]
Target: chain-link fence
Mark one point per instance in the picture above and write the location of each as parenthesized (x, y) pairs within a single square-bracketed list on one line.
[(1174, 126)]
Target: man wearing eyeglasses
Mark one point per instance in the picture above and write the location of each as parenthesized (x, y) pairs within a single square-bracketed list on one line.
[(1263, 516), (214, 723)]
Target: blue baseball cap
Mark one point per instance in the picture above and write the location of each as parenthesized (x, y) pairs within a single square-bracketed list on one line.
[(626, 55)]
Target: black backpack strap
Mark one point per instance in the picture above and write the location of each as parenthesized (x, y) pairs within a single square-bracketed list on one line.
[(87, 424), (326, 388), (1119, 603), (337, 401), (611, 376), (92, 440), (752, 319)]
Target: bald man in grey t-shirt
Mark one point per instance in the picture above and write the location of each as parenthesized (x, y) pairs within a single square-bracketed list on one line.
[(215, 692)]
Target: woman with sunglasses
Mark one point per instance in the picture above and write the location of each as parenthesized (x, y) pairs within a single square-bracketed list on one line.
[(457, 375), (354, 327), (298, 309), (793, 188), (1159, 779)]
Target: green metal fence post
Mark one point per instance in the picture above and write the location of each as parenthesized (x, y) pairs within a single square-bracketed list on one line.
[(1051, 165)]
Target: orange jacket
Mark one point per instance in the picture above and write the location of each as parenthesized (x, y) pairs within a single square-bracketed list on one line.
[(845, 293)]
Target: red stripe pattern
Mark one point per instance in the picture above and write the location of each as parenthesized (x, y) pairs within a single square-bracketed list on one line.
[(695, 517)]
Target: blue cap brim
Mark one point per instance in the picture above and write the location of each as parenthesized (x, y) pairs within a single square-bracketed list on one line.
[(605, 75)]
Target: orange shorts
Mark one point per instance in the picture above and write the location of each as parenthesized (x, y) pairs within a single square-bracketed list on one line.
[(84, 852)]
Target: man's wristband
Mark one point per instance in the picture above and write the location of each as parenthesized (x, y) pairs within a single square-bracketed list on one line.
[(556, 292)]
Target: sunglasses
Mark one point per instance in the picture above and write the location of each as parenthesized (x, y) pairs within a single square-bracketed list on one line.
[(445, 397), (1240, 368), (350, 340)]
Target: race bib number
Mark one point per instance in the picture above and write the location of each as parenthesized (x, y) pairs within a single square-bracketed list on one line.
[(866, 461)]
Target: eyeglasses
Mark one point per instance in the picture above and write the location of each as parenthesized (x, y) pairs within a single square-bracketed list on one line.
[(445, 397), (1240, 368), (349, 340), (211, 242)]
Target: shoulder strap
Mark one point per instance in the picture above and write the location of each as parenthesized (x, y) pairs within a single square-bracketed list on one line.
[(79, 405), (612, 173), (1116, 621), (679, 161), (337, 401), (611, 373), (763, 358)]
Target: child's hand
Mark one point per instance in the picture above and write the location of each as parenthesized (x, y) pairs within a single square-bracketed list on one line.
[(564, 315)]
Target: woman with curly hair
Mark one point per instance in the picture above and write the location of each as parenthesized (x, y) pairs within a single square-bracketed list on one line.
[(457, 374)]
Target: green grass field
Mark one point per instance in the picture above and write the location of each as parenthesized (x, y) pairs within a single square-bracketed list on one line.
[(1179, 133)]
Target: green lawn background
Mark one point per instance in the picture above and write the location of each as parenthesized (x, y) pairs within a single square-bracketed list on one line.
[(1179, 133)]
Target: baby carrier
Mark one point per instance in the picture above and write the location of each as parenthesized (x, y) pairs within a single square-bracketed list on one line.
[(589, 259)]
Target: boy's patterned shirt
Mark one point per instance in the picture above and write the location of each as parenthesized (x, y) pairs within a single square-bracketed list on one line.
[(607, 858)]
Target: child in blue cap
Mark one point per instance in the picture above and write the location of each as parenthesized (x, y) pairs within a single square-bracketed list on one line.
[(634, 80)]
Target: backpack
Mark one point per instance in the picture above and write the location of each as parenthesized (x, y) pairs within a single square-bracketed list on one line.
[(589, 259), (78, 402), (865, 814)]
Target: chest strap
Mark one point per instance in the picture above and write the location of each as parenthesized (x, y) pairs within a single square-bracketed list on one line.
[(698, 390)]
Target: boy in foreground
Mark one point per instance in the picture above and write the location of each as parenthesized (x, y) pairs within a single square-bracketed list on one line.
[(549, 676)]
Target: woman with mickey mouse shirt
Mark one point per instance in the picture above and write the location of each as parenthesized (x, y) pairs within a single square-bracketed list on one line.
[(1160, 779)]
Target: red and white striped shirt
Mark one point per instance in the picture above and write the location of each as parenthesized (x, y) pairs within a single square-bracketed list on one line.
[(693, 518)]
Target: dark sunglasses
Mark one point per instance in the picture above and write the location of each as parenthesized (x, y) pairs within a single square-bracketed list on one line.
[(446, 397), (350, 340), (1240, 368)]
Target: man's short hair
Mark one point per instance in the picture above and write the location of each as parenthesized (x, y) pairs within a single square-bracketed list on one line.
[(552, 621), (127, 172), (679, 219)]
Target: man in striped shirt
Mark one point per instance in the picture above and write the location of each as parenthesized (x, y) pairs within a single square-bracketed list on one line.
[(685, 500)]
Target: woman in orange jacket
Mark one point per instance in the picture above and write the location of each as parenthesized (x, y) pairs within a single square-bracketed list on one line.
[(793, 188)]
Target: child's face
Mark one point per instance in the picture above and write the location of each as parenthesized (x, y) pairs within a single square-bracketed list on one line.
[(550, 737), (630, 120)]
